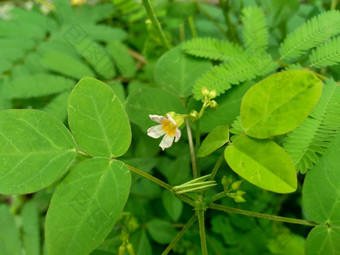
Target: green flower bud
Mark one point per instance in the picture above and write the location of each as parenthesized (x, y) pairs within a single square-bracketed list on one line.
[(130, 249), (121, 249), (239, 199), (213, 104), (212, 94), (205, 91), (236, 185)]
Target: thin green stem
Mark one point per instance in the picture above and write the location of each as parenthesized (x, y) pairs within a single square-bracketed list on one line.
[(192, 151), (150, 177), (231, 29), (179, 235), (217, 196), (197, 145), (200, 215), (334, 4), (261, 215), (216, 167), (155, 23), (192, 27)]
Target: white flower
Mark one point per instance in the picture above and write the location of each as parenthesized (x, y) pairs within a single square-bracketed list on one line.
[(168, 128)]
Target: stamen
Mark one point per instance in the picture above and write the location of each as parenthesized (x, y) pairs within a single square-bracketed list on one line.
[(168, 127)]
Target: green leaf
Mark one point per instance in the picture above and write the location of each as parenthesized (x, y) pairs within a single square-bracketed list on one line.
[(172, 205), (321, 188), (95, 55), (255, 31), (212, 48), (9, 234), (312, 33), (144, 101), (66, 64), (312, 138), (36, 149), (328, 54), (86, 205), (262, 163), (279, 103), (161, 231), (178, 72), (122, 58), (58, 106), (98, 120), (221, 77), (31, 228), (215, 139), (38, 85), (323, 240)]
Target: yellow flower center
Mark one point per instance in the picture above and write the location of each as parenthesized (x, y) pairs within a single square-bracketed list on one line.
[(168, 127)]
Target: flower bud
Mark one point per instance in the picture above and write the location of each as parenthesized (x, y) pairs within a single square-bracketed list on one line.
[(205, 91), (121, 250), (212, 94), (213, 104), (236, 185), (239, 199), (130, 249)]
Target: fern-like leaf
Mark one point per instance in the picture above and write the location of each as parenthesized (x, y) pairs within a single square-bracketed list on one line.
[(255, 31), (327, 54), (220, 78), (315, 134), (311, 34), (236, 126), (38, 85), (58, 106), (212, 49)]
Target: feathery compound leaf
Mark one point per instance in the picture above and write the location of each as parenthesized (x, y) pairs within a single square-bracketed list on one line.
[(212, 49), (38, 85), (315, 134), (312, 33), (327, 54), (255, 31), (222, 77)]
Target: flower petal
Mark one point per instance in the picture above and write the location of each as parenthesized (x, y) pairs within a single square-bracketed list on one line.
[(166, 142), (177, 135), (155, 131), (171, 119), (157, 118)]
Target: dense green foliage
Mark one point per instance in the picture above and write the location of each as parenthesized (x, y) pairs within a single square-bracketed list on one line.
[(245, 95)]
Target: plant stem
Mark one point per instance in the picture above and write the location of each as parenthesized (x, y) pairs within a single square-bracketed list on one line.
[(261, 215), (217, 196), (179, 235), (200, 215), (155, 23), (334, 4), (192, 151), (198, 144), (231, 29), (192, 27), (182, 197), (150, 177), (216, 167)]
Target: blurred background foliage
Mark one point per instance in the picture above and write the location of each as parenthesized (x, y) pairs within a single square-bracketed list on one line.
[(47, 46)]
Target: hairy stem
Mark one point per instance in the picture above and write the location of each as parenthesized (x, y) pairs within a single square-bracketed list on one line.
[(179, 235), (192, 151), (200, 215), (261, 215), (155, 23)]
